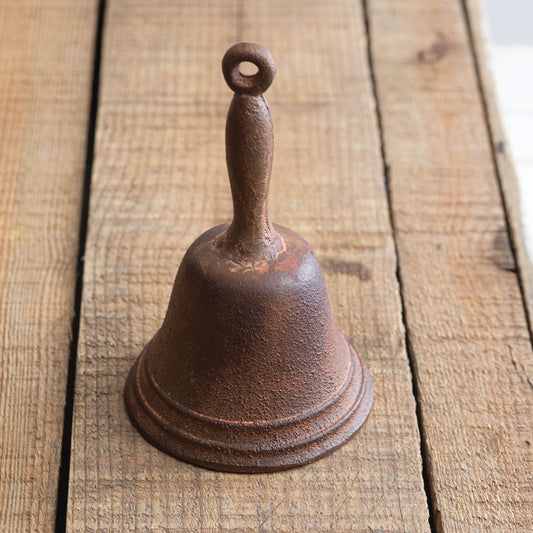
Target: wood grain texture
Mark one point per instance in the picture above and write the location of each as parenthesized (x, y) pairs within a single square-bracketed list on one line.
[(502, 155), (465, 319), (45, 75), (159, 181)]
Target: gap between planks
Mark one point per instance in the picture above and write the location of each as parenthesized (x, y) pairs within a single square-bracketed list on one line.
[(64, 468), (410, 356)]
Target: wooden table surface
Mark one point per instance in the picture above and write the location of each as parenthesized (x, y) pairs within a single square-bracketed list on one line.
[(390, 160)]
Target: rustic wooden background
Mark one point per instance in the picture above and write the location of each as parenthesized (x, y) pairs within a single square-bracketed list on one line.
[(390, 160)]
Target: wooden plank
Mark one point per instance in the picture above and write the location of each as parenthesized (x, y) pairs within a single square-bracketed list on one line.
[(45, 73), (159, 181), (502, 155), (465, 319)]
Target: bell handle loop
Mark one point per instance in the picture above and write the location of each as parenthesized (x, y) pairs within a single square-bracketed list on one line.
[(240, 83), (250, 239)]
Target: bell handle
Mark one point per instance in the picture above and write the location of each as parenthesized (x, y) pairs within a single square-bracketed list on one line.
[(251, 238)]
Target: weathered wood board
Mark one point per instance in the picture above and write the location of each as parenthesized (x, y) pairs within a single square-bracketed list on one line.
[(465, 319), (502, 155), (46, 66), (159, 181)]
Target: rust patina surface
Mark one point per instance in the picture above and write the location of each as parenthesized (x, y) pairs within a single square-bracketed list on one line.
[(249, 372)]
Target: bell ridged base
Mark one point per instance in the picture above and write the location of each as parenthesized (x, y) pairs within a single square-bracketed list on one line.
[(250, 446)]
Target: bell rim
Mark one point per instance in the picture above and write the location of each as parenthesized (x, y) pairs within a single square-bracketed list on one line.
[(167, 436)]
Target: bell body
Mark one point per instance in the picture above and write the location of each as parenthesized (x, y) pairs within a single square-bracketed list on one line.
[(249, 371)]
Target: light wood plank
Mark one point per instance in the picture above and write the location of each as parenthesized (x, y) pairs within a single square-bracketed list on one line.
[(159, 181), (45, 77), (503, 156), (464, 314)]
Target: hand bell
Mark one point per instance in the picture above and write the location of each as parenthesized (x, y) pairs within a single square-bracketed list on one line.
[(249, 372)]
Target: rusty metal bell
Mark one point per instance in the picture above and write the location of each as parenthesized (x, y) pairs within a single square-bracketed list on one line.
[(249, 372)]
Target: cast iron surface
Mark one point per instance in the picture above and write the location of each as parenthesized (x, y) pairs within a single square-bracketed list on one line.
[(249, 372)]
